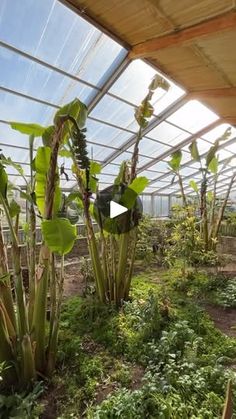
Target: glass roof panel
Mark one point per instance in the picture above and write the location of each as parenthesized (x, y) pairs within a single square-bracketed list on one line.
[(12, 137), (133, 83), (150, 148), (161, 166), (111, 169), (32, 26), (168, 134), (160, 184), (224, 154), (17, 155), (149, 190), (231, 147), (218, 132), (20, 74), (122, 157), (143, 160), (187, 171), (97, 152), (149, 174), (193, 116), (106, 178), (14, 108), (106, 135), (116, 112)]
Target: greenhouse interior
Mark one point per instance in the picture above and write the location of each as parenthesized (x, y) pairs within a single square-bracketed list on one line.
[(117, 209)]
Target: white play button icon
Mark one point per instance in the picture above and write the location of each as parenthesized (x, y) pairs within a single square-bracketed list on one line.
[(116, 209)]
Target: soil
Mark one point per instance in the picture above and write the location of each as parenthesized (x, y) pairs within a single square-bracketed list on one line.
[(74, 282), (50, 401), (224, 319)]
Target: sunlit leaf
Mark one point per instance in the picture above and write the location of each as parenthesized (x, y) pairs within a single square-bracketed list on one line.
[(74, 196), (76, 110), (65, 153), (213, 165), (3, 181), (42, 162), (47, 135), (59, 235), (211, 154), (175, 161), (29, 129), (14, 208), (131, 193), (95, 168), (193, 185), (210, 196), (193, 148)]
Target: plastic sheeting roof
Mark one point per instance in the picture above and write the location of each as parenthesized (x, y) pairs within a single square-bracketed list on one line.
[(49, 55)]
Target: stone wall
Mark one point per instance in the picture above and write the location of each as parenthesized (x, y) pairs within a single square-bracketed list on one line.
[(80, 249), (227, 245)]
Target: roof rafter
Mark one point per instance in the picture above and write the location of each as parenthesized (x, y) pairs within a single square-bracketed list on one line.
[(213, 93), (220, 23)]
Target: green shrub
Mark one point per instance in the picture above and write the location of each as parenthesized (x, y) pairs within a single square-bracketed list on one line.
[(227, 297)]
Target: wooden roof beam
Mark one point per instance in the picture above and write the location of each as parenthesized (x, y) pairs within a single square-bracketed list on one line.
[(220, 23), (213, 93)]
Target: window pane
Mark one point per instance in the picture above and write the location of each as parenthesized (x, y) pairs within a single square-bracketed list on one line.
[(13, 108), (133, 84), (193, 116), (218, 132), (106, 135), (30, 78), (168, 134), (52, 32), (116, 112), (150, 148)]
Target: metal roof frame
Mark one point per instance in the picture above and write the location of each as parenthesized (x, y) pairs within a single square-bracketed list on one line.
[(103, 90)]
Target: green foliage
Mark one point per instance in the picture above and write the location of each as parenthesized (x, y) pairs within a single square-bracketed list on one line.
[(41, 164), (59, 235), (86, 270), (193, 185), (179, 380), (3, 181), (226, 297), (186, 241), (14, 208), (184, 357), (193, 148), (134, 189), (175, 161), (29, 129), (75, 109), (213, 165), (21, 405), (152, 233)]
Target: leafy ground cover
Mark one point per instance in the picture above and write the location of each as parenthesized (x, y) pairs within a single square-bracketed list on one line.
[(160, 356)]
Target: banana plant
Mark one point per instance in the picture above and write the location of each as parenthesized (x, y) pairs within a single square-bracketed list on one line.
[(175, 165), (26, 344), (209, 167), (112, 255), (210, 221)]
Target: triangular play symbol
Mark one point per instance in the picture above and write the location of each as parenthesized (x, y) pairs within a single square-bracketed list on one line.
[(116, 209)]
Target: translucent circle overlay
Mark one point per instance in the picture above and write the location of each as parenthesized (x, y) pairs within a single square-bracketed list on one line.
[(125, 222)]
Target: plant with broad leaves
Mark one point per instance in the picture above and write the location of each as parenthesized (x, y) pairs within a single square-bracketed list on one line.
[(207, 203)]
